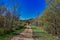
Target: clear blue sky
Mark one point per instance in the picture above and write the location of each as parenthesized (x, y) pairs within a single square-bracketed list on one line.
[(27, 8)]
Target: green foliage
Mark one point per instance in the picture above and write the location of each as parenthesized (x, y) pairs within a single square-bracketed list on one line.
[(41, 34), (10, 24), (9, 21), (8, 36), (51, 18), (1, 21)]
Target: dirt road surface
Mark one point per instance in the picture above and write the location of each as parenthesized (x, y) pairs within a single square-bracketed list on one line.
[(25, 35)]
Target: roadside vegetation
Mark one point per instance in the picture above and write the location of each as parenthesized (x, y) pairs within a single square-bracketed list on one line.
[(40, 34), (49, 21), (46, 27), (8, 36), (10, 23)]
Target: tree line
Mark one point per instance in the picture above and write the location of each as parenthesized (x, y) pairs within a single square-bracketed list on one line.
[(9, 20), (50, 20)]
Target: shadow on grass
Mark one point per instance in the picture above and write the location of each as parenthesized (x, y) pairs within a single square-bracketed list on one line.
[(40, 34), (8, 35)]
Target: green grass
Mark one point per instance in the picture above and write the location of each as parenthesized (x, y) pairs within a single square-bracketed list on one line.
[(9, 35), (40, 34)]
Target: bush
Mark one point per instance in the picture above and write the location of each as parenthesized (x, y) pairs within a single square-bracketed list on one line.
[(1, 31), (49, 27)]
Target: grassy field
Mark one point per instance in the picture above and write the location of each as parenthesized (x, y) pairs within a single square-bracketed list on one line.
[(9, 35), (40, 34)]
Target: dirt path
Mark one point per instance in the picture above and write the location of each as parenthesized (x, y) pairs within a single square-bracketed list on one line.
[(25, 35)]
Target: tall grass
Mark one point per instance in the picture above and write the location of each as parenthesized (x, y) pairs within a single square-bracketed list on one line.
[(40, 34), (11, 34)]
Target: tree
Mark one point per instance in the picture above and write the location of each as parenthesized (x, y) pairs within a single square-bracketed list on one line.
[(50, 18), (1, 21), (2, 9)]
